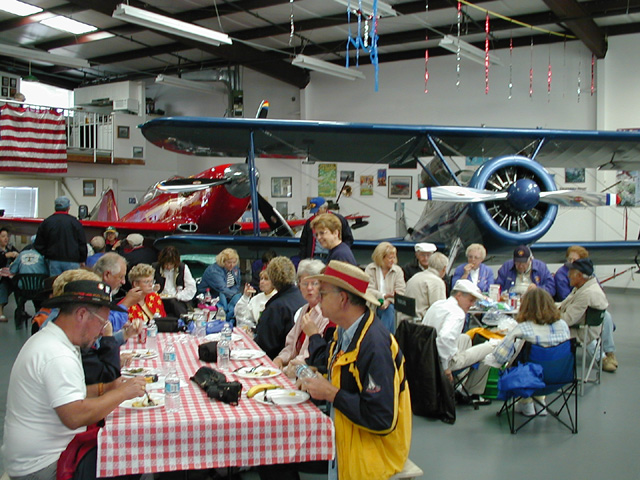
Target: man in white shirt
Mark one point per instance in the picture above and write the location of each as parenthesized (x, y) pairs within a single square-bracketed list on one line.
[(454, 347), (48, 402)]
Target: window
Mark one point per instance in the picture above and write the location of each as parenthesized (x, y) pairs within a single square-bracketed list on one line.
[(19, 201)]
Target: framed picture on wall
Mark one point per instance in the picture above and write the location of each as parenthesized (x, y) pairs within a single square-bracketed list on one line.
[(400, 186), (123, 131), (138, 152), (281, 187), (89, 188)]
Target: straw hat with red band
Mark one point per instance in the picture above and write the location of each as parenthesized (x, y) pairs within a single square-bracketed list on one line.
[(347, 277)]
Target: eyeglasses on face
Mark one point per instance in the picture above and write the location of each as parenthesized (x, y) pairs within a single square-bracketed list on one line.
[(103, 321)]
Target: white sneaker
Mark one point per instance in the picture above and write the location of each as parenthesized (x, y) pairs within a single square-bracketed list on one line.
[(525, 408), (539, 408)]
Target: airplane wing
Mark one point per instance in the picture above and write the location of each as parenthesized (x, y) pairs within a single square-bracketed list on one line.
[(389, 144)]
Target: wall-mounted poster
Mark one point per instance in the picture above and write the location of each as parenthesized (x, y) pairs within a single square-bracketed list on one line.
[(327, 178), (574, 175), (627, 188), (382, 177), (400, 186), (366, 185), (347, 175)]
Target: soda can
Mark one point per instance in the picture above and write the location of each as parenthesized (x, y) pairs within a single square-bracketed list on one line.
[(142, 336)]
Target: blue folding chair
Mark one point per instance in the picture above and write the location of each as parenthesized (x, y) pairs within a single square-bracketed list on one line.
[(559, 376)]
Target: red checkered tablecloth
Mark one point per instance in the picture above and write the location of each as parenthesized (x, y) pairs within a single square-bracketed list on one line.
[(207, 433)]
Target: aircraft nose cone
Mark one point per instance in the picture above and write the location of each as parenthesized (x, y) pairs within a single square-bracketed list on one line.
[(524, 194)]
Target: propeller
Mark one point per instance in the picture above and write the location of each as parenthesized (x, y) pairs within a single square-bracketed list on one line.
[(235, 179), (522, 195)]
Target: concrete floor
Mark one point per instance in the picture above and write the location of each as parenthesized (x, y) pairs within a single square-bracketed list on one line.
[(479, 446)]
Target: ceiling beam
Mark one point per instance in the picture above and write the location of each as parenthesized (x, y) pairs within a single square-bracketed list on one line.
[(575, 18)]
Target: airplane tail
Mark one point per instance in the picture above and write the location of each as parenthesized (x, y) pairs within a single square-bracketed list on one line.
[(106, 210), (263, 109)]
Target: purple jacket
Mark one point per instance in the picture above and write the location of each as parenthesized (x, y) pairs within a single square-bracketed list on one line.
[(540, 275)]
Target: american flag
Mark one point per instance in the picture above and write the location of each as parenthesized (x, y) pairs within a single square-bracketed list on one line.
[(32, 140)]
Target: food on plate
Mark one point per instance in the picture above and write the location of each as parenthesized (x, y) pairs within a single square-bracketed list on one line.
[(145, 402), (253, 391), (134, 370), (151, 378)]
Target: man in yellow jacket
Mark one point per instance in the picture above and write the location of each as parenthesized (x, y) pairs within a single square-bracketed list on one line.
[(366, 382)]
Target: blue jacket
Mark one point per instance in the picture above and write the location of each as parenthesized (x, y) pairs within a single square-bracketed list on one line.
[(540, 275), (215, 278), (563, 288), (29, 261), (485, 276)]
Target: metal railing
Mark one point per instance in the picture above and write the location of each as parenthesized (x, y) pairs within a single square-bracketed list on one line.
[(88, 133)]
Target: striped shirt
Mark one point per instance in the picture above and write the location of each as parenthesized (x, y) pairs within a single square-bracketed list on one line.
[(547, 335)]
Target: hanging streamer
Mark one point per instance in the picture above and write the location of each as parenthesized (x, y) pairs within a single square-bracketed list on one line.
[(549, 77), (510, 66), (291, 20), (459, 21), (486, 55), (579, 79), (426, 66), (367, 41), (531, 71), (593, 69)]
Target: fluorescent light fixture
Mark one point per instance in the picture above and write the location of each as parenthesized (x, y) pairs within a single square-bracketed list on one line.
[(154, 21), (182, 83), (467, 50), (310, 63), (384, 9), (19, 8), (42, 56), (69, 25)]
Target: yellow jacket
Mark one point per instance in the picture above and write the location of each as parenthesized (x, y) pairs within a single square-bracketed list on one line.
[(373, 406)]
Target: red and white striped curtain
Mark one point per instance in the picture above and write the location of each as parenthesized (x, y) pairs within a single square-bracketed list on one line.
[(32, 140)]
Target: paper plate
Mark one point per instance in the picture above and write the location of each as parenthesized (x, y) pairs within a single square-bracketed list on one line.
[(142, 354), (157, 398), (257, 372), (282, 396), (137, 371), (246, 354), (215, 337)]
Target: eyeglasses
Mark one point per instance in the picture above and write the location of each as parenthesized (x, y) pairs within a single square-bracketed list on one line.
[(309, 283), (103, 321), (324, 293)]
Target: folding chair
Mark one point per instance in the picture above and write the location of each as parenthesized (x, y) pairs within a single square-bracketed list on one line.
[(27, 286), (559, 376), (593, 318), (406, 305)]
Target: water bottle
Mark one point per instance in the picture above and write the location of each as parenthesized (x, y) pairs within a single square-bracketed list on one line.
[(227, 334), (172, 391), (169, 355), (207, 297), (224, 354), (304, 371), (152, 335), (221, 315)]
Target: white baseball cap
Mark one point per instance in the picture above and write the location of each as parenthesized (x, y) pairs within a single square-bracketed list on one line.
[(466, 286), (425, 247)]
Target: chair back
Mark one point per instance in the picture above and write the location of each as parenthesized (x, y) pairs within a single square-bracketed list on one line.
[(558, 364), (594, 317), (406, 305), (30, 285)]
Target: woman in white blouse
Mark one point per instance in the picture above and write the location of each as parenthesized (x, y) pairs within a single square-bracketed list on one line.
[(177, 287), (385, 280), (248, 308)]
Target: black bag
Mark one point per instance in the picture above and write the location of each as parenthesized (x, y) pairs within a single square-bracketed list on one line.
[(167, 324), (208, 352), (227, 392), (205, 377)]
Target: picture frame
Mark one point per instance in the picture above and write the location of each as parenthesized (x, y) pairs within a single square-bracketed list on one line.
[(574, 175), (347, 175), (400, 186), (138, 152), (366, 185), (123, 131), (281, 187), (89, 188)]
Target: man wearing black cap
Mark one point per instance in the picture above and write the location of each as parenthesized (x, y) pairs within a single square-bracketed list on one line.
[(587, 292), (525, 272), (61, 239), (47, 398)]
